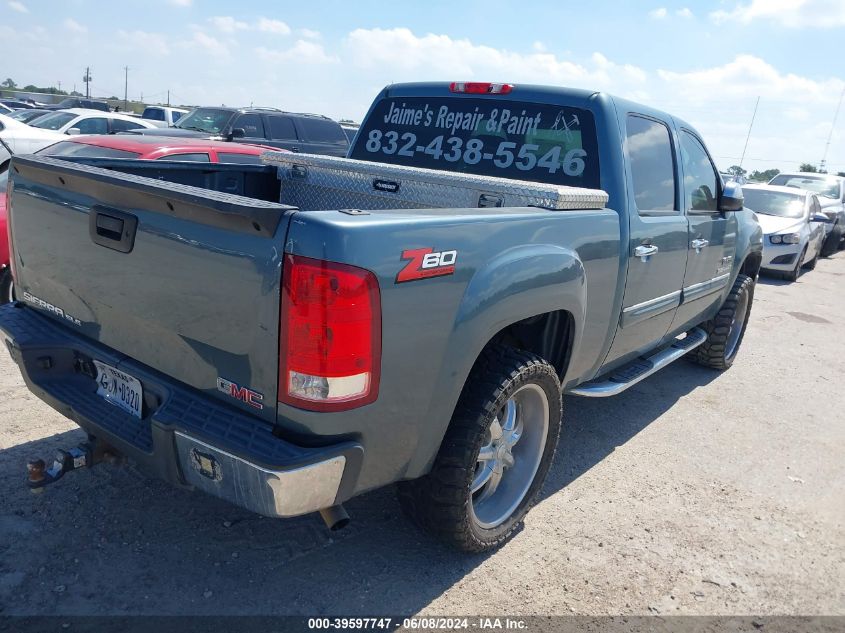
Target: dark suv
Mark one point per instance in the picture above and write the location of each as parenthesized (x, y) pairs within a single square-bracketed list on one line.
[(75, 102), (308, 133)]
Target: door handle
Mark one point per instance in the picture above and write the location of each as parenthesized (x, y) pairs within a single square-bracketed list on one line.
[(698, 244), (644, 251)]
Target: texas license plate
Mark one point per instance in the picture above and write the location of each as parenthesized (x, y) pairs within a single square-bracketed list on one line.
[(119, 388)]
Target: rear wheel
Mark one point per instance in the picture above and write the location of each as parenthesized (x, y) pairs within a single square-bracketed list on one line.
[(495, 455), (727, 329)]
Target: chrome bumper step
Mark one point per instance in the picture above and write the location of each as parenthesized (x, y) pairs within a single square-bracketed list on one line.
[(639, 368)]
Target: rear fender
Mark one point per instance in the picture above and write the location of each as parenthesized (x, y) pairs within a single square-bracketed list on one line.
[(517, 284)]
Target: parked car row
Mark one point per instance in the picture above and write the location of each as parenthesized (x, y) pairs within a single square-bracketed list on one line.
[(802, 216)]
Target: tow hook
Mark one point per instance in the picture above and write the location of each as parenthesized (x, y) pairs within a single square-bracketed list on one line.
[(85, 455)]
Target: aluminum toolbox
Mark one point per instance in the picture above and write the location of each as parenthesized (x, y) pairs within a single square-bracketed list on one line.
[(312, 182)]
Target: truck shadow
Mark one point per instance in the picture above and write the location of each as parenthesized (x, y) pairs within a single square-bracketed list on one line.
[(110, 541)]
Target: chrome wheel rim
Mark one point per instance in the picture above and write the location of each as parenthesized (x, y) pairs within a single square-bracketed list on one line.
[(736, 325), (510, 456)]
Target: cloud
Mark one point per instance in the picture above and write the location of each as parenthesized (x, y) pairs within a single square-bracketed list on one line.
[(208, 44), (398, 54), (72, 25), (180, 3), (228, 24), (310, 34), (154, 44), (684, 13), (658, 14), (748, 76), (823, 14), (302, 51), (14, 5), (273, 26)]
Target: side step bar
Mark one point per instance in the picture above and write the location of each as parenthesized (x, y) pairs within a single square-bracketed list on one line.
[(640, 368)]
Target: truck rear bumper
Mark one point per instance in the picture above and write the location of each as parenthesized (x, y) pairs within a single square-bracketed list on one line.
[(185, 436)]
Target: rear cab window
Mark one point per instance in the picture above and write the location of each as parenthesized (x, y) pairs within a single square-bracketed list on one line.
[(554, 144), (153, 114)]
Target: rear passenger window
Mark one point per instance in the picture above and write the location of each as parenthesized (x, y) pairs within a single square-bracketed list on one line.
[(700, 184), (187, 158), (282, 129), (252, 125), (119, 125), (323, 131), (649, 151)]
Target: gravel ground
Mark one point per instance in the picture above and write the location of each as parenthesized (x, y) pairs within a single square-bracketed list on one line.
[(692, 493)]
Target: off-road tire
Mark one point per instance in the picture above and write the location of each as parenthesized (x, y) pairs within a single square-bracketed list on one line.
[(713, 352), (441, 502), (831, 244)]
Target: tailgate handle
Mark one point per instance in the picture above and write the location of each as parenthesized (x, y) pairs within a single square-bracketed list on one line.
[(112, 228)]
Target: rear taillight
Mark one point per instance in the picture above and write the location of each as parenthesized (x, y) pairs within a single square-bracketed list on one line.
[(330, 335), (480, 88)]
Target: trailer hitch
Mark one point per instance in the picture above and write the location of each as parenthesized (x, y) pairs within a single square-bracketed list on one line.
[(85, 455)]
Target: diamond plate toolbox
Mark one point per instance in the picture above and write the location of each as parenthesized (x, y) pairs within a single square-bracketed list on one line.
[(311, 182)]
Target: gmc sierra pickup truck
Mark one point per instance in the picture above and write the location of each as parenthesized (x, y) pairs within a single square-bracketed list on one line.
[(289, 335)]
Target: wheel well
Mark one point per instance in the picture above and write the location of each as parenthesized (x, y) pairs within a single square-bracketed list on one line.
[(548, 335), (751, 265)]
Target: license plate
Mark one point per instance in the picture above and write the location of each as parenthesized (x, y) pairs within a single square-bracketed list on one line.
[(119, 388)]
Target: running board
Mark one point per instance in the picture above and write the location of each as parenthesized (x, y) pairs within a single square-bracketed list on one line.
[(640, 368)]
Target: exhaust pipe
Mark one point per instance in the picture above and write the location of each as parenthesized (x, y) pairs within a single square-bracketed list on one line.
[(335, 517)]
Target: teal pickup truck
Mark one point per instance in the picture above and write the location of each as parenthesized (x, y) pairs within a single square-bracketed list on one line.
[(289, 335)]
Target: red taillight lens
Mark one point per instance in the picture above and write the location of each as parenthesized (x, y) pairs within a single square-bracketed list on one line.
[(480, 88), (330, 335)]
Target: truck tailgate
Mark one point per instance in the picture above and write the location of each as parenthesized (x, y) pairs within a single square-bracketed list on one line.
[(182, 279)]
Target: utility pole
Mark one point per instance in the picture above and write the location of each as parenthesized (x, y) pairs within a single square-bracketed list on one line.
[(126, 89), (60, 85), (753, 116), (87, 80), (823, 166), (168, 97)]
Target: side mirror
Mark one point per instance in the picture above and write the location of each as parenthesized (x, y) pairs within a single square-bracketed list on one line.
[(821, 217), (238, 132), (731, 198), (74, 131)]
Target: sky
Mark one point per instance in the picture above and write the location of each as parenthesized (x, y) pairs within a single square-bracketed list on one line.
[(706, 62)]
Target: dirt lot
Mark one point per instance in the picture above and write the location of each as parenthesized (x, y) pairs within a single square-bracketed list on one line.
[(692, 493)]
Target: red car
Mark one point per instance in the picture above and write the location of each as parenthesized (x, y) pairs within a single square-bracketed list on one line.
[(128, 146)]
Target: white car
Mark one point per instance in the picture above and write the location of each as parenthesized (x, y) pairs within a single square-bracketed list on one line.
[(19, 138), (831, 192), (793, 227), (82, 121)]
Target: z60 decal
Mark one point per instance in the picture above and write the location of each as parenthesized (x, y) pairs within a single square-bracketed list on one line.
[(425, 263)]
